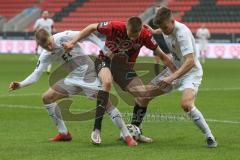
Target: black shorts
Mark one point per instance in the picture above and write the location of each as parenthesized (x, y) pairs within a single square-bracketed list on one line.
[(102, 63), (120, 68)]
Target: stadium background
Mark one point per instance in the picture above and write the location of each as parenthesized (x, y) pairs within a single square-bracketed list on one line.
[(25, 126)]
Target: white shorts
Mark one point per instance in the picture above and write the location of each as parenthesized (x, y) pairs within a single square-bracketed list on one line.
[(74, 86), (203, 45), (190, 81)]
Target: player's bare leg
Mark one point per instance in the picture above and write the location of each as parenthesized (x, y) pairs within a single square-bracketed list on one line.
[(105, 76), (104, 104), (141, 92), (49, 100), (187, 103), (144, 94), (115, 115)]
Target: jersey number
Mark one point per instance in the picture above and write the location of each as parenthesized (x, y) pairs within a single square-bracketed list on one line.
[(66, 57)]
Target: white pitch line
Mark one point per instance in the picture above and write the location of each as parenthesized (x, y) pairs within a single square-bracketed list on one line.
[(223, 121), (31, 107), (19, 106), (82, 110), (20, 95), (201, 89), (220, 89)]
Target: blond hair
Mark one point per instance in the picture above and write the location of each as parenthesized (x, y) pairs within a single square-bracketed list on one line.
[(42, 36)]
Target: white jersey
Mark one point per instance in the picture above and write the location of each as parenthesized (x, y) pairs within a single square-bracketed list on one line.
[(85, 66), (180, 43), (46, 24), (203, 34)]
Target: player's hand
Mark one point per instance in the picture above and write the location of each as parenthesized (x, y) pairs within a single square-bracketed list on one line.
[(68, 46), (157, 31), (166, 82), (109, 54), (14, 85)]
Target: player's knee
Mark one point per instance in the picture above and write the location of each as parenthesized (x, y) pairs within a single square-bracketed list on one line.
[(107, 84), (143, 101), (47, 98), (186, 105)]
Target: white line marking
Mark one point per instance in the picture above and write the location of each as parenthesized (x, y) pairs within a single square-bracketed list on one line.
[(19, 106), (223, 121), (220, 89), (126, 114), (39, 94), (20, 95), (32, 107)]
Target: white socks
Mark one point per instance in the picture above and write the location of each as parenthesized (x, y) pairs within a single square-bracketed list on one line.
[(116, 117), (55, 114), (199, 120)]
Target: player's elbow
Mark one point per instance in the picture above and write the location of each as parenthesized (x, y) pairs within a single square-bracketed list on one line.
[(107, 84), (190, 62)]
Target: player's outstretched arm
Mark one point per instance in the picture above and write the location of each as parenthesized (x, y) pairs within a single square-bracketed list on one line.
[(94, 39), (165, 59), (82, 34), (154, 31), (33, 77)]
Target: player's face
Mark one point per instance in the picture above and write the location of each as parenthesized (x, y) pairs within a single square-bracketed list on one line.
[(167, 26), (45, 15), (132, 35)]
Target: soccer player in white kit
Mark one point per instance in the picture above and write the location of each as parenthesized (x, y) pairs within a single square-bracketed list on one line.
[(189, 74), (44, 23), (82, 78), (203, 35)]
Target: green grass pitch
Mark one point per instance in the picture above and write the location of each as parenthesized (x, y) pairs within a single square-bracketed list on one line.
[(25, 126)]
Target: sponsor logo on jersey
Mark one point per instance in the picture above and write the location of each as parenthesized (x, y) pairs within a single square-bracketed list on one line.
[(103, 24), (153, 41)]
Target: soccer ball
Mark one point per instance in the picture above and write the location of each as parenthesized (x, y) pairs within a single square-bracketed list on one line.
[(133, 130)]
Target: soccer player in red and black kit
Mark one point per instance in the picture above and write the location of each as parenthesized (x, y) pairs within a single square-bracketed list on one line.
[(124, 40)]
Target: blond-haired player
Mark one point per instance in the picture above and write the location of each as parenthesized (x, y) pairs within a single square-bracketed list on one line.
[(82, 78), (44, 23)]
